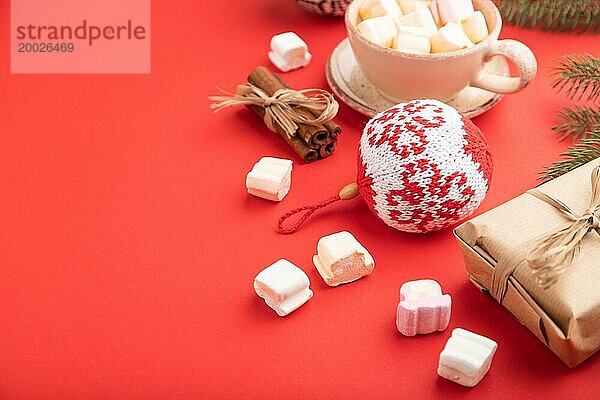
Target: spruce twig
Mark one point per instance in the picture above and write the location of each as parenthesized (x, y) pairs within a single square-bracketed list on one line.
[(578, 122), (586, 150), (577, 75), (556, 15)]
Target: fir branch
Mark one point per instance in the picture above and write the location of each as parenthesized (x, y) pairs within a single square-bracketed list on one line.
[(584, 151), (556, 15), (578, 122), (578, 74)]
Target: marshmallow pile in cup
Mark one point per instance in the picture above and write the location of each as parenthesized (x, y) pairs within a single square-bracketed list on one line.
[(422, 26)]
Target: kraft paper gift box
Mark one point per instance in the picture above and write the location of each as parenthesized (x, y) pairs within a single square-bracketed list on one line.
[(554, 291)]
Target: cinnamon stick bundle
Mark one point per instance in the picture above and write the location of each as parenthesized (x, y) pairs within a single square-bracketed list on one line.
[(310, 141), (306, 153), (314, 136), (333, 128)]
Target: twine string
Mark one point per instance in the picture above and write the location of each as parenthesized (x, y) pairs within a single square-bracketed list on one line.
[(348, 192), (310, 210), (553, 254)]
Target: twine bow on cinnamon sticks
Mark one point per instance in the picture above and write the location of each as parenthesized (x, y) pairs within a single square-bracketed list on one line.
[(552, 255), (281, 108), (302, 118)]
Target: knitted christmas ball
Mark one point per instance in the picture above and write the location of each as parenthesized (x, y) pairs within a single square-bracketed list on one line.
[(423, 166), (325, 7)]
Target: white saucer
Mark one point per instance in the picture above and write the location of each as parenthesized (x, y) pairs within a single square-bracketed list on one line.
[(348, 82)]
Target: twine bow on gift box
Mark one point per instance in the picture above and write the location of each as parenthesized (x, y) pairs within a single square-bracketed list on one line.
[(281, 108), (553, 254), (557, 251)]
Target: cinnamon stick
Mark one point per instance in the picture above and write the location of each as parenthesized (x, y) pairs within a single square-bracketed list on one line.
[(313, 136), (333, 128), (327, 149)]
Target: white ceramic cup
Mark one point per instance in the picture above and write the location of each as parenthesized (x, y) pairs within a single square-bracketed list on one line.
[(403, 76)]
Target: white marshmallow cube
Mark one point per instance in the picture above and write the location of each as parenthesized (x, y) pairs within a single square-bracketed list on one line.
[(379, 30), (414, 30), (421, 18), (289, 52), (475, 27), (283, 286), (342, 259), (412, 39), (466, 358), (379, 8), (409, 6), (449, 37), (454, 10), (270, 178)]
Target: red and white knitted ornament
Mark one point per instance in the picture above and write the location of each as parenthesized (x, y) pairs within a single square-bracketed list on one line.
[(335, 8), (422, 166)]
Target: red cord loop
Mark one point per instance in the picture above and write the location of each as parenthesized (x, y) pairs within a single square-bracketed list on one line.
[(310, 210)]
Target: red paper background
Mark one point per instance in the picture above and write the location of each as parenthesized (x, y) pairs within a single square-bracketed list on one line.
[(128, 244)]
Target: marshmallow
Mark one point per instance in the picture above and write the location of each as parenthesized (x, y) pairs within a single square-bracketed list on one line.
[(342, 259), (421, 18), (413, 30), (422, 308), (450, 37), (434, 12), (475, 27), (289, 52), (283, 286), (454, 10), (409, 6), (379, 30), (466, 358), (270, 178), (379, 8), (412, 43)]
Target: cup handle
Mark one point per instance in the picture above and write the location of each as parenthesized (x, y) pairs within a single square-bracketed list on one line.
[(519, 54)]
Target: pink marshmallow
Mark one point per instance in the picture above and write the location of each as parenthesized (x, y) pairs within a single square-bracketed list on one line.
[(433, 7), (454, 10), (422, 308)]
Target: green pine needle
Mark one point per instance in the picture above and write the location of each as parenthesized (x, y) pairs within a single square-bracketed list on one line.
[(556, 15), (578, 122), (578, 75), (586, 150)]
